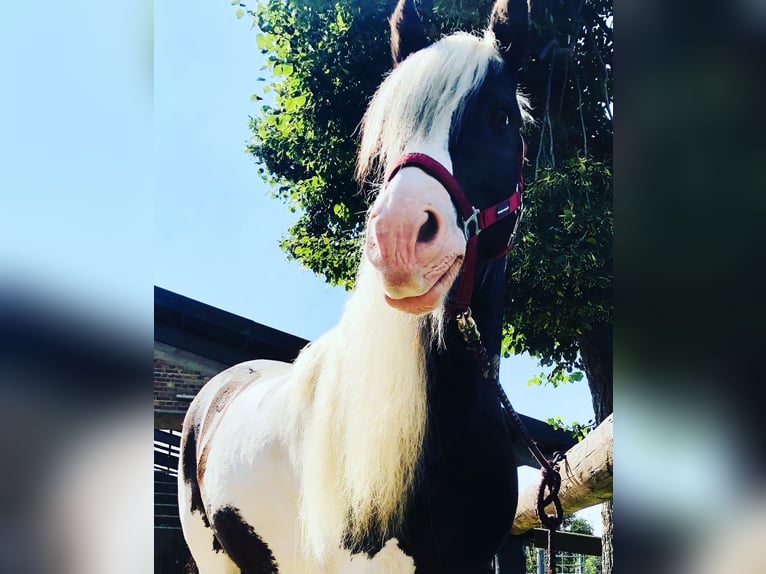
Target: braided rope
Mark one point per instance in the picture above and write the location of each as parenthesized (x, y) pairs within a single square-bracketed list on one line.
[(551, 478)]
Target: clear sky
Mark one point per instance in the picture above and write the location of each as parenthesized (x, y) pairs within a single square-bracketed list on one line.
[(216, 228), (76, 155)]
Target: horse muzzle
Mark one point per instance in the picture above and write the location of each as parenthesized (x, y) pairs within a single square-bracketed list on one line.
[(413, 242)]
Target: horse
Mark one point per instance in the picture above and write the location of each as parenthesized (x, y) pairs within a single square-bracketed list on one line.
[(382, 448)]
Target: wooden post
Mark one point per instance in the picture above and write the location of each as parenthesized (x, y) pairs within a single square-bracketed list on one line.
[(586, 478), (510, 557)]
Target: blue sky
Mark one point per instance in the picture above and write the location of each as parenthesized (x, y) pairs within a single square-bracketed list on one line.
[(76, 153)]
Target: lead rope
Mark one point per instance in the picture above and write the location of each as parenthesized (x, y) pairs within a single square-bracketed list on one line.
[(551, 478)]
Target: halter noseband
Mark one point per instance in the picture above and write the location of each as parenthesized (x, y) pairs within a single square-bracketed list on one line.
[(473, 220)]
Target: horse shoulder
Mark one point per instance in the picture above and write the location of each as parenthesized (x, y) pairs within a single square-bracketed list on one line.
[(218, 419), (219, 393)]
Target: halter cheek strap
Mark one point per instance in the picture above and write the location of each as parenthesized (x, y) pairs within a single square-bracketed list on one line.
[(473, 220)]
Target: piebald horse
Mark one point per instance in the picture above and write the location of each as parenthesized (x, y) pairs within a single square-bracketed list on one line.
[(383, 448)]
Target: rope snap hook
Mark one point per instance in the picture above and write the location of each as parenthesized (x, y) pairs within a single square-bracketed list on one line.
[(467, 326)]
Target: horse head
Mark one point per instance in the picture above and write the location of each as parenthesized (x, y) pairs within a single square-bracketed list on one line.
[(442, 135)]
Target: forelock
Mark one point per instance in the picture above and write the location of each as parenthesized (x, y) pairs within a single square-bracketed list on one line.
[(428, 88)]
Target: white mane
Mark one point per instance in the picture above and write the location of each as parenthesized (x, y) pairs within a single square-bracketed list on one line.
[(362, 395), (427, 89)]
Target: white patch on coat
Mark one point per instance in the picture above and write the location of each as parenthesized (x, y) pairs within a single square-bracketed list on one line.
[(390, 560)]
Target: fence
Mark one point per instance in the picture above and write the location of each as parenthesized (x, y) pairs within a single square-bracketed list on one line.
[(577, 553), (566, 562), (170, 551), (586, 480)]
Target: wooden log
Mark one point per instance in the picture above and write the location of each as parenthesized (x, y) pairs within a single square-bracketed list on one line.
[(586, 478)]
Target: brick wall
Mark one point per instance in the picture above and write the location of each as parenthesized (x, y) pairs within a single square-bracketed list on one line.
[(173, 385), (178, 376)]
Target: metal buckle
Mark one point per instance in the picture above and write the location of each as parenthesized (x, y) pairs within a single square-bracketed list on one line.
[(519, 212), (467, 326), (473, 218)]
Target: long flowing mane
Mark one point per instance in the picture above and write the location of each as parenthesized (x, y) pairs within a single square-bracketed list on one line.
[(362, 392)]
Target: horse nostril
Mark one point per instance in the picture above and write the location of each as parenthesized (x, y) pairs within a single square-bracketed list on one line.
[(429, 229)]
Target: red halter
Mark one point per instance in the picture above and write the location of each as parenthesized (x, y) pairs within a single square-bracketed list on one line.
[(474, 220)]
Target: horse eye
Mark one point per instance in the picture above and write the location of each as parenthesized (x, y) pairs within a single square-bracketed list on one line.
[(502, 118)]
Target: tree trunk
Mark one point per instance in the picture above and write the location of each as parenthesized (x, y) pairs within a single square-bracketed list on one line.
[(607, 541), (596, 352)]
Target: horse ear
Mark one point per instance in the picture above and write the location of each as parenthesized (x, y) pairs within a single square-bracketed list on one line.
[(510, 23), (407, 32)]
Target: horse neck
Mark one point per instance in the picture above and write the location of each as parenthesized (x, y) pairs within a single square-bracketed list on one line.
[(487, 304), (454, 371)]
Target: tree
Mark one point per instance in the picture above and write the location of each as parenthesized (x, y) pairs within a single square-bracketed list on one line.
[(326, 58)]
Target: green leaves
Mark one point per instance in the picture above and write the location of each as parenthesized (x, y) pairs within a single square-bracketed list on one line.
[(296, 103), (560, 272), (577, 430), (323, 61), (263, 42), (282, 69), (559, 375), (341, 211)]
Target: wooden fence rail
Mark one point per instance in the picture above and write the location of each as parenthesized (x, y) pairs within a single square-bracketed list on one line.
[(586, 478)]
